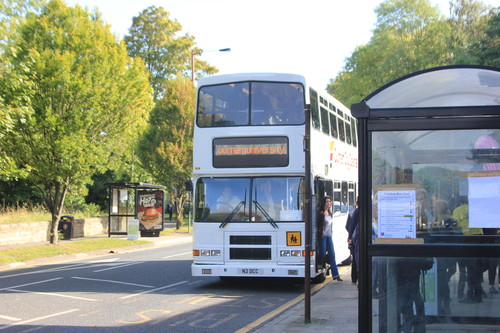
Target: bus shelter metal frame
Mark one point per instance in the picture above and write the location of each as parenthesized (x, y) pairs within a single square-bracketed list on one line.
[(408, 119), (113, 189)]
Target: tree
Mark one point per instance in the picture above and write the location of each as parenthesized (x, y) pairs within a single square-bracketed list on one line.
[(166, 148), (467, 21), (12, 13), (153, 37), (486, 50), (86, 100), (410, 35)]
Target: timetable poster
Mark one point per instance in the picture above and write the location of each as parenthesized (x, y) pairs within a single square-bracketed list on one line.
[(397, 213)]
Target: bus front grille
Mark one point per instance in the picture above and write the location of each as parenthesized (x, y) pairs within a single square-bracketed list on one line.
[(250, 254), (249, 240)]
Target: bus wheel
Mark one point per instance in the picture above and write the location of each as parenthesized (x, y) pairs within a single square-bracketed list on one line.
[(320, 278)]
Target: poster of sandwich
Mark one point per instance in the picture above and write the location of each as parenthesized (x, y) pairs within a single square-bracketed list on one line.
[(150, 210)]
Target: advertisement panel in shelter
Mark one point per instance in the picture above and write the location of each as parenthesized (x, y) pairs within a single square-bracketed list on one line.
[(150, 210)]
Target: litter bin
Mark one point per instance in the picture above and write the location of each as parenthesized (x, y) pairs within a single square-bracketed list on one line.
[(65, 226)]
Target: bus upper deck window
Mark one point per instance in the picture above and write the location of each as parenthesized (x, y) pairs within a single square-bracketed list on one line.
[(277, 103)]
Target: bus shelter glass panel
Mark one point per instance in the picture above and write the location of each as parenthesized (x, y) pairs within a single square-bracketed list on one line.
[(123, 201), (122, 208), (248, 199), (251, 103), (433, 294), (119, 223), (439, 186)]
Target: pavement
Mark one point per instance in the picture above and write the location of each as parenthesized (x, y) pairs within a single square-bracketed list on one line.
[(333, 305), (333, 308)]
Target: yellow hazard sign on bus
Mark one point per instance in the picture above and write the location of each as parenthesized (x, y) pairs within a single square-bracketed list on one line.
[(293, 238)]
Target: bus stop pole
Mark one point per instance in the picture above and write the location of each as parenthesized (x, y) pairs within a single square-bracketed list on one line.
[(307, 232)]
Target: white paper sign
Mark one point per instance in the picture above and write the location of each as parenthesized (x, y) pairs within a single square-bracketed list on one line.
[(397, 213), (133, 229)]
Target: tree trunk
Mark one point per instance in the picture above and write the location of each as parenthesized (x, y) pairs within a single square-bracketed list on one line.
[(179, 207), (56, 208)]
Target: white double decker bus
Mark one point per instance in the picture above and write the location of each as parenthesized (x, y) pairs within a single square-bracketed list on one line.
[(249, 174)]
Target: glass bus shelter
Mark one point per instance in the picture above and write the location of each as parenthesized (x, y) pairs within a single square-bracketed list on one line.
[(429, 202), (141, 201)]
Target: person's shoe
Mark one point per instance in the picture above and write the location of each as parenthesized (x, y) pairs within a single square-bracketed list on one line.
[(338, 278), (493, 290)]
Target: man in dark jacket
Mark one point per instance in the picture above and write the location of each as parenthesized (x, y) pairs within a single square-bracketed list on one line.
[(351, 224)]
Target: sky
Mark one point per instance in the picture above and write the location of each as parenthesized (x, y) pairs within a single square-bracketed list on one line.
[(308, 37)]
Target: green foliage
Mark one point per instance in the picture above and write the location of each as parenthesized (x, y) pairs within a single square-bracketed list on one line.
[(166, 148), (84, 99), (12, 14), (486, 49), (153, 37), (467, 21), (410, 35)]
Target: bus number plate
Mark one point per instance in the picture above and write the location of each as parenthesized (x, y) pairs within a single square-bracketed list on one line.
[(252, 271)]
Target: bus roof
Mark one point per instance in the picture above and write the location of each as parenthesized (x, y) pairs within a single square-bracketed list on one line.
[(278, 77)]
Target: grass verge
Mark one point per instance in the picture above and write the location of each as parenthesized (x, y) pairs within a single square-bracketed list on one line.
[(75, 246), (46, 251)]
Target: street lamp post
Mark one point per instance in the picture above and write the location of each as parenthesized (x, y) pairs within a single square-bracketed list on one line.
[(193, 53)]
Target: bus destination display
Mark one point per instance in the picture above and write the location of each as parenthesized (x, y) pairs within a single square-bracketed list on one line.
[(250, 152)]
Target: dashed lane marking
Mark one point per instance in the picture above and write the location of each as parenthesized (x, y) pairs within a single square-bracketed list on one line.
[(30, 284), (113, 281)]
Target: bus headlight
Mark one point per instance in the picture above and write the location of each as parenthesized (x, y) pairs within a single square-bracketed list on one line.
[(285, 253), (207, 253), (296, 253)]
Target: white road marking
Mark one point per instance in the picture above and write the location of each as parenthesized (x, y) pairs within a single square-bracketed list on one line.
[(38, 318), (112, 281), (177, 255), (53, 294), (9, 318), (153, 290), (30, 284), (60, 269), (104, 260), (118, 265)]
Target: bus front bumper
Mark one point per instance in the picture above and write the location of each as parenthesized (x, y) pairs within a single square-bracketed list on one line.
[(250, 270)]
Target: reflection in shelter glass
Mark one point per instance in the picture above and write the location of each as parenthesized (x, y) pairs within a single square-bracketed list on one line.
[(455, 176)]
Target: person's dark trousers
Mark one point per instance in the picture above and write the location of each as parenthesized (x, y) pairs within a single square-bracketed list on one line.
[(354, 269), (492, 271)]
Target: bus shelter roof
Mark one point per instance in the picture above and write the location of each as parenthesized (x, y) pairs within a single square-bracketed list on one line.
[(440, 87), (136, 185)]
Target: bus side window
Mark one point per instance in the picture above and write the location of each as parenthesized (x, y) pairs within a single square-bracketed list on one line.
[(341, 129)]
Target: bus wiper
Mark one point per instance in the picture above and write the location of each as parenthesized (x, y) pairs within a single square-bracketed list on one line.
[(268, 217), (231, 215)]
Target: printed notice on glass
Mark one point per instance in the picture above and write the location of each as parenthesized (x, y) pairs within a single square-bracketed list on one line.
[(396, 213)]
